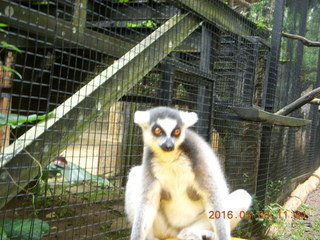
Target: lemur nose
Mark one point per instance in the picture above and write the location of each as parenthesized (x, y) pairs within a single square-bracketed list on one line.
[(168, 145)]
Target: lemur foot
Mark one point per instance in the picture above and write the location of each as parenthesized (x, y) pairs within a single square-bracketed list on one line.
[(189, 234)]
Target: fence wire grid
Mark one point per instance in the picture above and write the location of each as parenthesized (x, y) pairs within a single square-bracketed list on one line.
[(73, 73)]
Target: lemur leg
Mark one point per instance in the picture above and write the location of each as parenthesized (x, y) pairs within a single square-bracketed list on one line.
[(133, 192), (239, 200), (133, 196)]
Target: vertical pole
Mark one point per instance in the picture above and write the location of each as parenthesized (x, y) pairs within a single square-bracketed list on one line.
[(273, 61), (268, 101), (203, 108), (252, 50), (80, 15), (167, 82), (303, 10), (315, 130)]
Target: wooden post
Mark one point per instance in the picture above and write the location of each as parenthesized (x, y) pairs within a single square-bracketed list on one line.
[(268, 101), (167, 81), (5, 82), (80, 15)]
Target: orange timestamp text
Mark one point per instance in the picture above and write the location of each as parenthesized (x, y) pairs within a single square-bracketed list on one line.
[(251, 214)]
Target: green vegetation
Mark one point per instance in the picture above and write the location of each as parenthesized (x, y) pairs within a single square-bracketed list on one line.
[(298, 229), (23, 229), (6, 45), (16, 120), (260, 13)]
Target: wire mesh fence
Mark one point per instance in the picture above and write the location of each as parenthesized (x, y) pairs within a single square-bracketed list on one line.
[(74, 72)]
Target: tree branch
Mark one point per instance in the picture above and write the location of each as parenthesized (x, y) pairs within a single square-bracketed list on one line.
[(304, 41), (299, 102)]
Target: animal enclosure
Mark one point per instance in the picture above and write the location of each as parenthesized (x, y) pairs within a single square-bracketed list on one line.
[(73, 73)]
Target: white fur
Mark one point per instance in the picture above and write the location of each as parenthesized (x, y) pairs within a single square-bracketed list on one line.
[(167, 125), (188, 118), (142, 118)]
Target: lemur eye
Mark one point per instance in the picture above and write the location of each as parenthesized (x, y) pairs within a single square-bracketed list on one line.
[(177, 132), (157, 131)]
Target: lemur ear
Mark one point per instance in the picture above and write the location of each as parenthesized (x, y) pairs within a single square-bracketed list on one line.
[(188, 118), (142, 118)]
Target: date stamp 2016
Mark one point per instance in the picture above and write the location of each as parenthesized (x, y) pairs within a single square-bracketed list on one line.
[(253, 215)]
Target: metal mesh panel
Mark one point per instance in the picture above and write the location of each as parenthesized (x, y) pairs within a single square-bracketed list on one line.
[(74, 72)]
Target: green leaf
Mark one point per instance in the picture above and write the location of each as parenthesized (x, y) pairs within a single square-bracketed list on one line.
[(8, 45), (147, 23), (15, 120), (2, 25), (25, 229), (43, 2), (12, 70), (3, 234)]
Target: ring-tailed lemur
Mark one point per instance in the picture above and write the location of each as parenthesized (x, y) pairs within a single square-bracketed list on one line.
[(179, 183)]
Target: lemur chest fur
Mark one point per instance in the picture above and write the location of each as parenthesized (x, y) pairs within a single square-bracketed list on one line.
[(180, 195), (174, 175)]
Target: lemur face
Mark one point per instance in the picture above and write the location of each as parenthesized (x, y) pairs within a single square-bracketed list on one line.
[(164, 128)]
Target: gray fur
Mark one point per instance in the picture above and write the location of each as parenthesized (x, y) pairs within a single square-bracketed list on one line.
[(164, 112)]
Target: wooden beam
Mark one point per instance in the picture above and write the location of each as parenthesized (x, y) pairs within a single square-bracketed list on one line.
[(221, 15), (61, 32), (20, 161), (258, 115)]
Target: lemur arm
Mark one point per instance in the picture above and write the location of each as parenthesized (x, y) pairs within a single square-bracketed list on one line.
[(211, 180), (147, 209)]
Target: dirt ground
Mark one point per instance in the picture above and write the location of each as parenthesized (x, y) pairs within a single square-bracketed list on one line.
[(313, 200)]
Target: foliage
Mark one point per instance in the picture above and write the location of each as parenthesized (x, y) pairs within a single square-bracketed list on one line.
[(274, 188), (3, 234), (260, 218), (3, 25), (9, 46), (260, 14), (24, 229), (15, 120), (43, 2), (147, 23), (6, 45), (298, 230), (289, 46)]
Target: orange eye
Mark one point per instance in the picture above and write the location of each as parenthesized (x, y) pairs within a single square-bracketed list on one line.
[(157, 131), (176, 132)]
